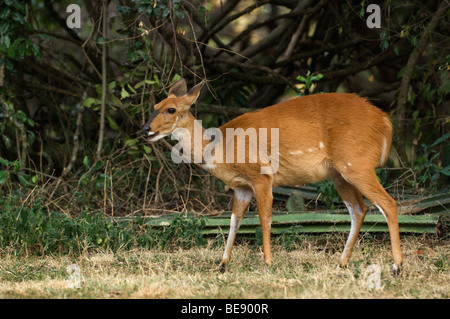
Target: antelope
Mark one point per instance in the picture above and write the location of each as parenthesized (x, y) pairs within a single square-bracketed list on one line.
[(337, 136)]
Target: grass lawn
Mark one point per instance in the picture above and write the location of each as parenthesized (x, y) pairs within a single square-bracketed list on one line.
[(306, 269)]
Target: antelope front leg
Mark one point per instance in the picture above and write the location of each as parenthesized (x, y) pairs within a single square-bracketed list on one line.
[(241, 200)]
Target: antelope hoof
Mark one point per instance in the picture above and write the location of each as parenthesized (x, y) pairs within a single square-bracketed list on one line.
[(221, 268), (396, 270)]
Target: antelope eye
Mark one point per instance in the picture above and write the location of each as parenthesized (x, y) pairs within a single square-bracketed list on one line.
[(171, 110)]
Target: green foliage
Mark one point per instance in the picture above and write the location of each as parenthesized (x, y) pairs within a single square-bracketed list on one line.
[(16, 41), (155, 9), (29, 228), (328, 193), (10, 174), (441, 263), (13, 124), (430, 174), (291, 239), (308, 81), (186, 232)]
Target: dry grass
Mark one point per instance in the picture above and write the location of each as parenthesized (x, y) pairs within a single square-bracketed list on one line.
[(309, 271)]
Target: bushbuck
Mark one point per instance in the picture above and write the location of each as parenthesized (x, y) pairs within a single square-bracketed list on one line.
[(337, 136)]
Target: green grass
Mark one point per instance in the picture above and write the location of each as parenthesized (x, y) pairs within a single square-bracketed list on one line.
[(32, 230)]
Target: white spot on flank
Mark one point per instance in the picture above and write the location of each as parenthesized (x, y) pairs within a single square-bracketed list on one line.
[(312, 149), (297, 152), (321, 145), (349, 164)]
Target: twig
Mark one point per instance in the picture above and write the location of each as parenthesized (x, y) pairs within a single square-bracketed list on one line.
[(76, 142), (104, 87), (51, 89)]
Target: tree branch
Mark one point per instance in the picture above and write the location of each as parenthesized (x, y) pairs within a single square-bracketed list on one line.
[(276, 34), (104, 86), (407, 75)]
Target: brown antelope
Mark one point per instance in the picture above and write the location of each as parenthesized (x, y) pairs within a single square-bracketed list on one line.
[(334, 135)]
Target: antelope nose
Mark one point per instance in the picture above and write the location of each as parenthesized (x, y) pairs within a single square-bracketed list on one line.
[(146, 128)]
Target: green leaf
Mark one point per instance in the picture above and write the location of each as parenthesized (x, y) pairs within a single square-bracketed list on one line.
[(91, 101), (30, 122), (31, 138), (112, 123), (141, 83), (21, 116), (176, 77), (112, 85), (155, 77), (7, 41), (440, 140), (3, 177), (317, 77), (7, 141), (4, 161), (445, 170), (86, 162), (131, 89), (36, 50), (24, 179), (131, 142), (4, 13), (116, 101), (396, 50), (147, 149), (362, 12), (124, 94)]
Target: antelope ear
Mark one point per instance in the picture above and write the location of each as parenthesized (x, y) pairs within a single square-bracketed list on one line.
[(193, 94), (178, 89)]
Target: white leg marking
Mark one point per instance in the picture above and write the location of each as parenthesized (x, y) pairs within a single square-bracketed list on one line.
[(353, 225), (379, 208), (243, 194), (234, 226), (352, 228)]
